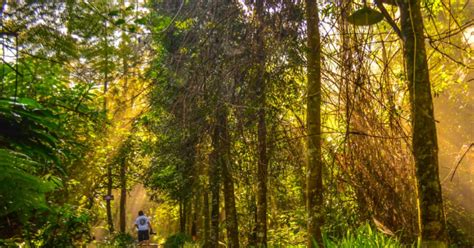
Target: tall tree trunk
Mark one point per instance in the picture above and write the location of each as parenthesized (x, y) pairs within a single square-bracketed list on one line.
[(252, 237), (432, 222), (228, 181), (314, 191), (108, 204), (214, 159), (195, 218), (214, 184), (262, 169), (207, 219), (182, 216), (123, 195), (123, 164), (189, 215)]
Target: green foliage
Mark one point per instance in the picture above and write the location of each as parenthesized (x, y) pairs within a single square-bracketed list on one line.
[(292, 229), (7, 243), (48, 129), (19, 189), (177, 240), (173, 156), (119, 240), (123, 240), (434, 6), (364, 236), (66, 226), (28, 127), (27, 143), (458, 236), (341, 210), (36, 147)]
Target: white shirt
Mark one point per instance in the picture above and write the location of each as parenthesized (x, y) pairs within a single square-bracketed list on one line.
[(142, 223)]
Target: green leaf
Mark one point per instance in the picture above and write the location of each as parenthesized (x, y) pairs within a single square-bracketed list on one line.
[(120, 21), (114, 13), (30, 102), (19, 189), (141, 21), (132, 28)]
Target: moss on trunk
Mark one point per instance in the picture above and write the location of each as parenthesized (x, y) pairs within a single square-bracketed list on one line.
[(432, 223)]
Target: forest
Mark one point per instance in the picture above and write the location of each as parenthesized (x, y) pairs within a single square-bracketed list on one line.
[(237, 123)]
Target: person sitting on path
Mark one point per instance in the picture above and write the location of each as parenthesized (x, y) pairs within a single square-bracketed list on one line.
[(143, 225)]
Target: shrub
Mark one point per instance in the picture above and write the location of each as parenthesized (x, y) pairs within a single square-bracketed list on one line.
[(66, 226), (123, 240), (177, 240)]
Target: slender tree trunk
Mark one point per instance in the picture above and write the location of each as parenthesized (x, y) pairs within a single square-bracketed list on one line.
[(123, 164), (231, 214), (207, 219), (108, 204), (195, 220), (314, 191), (123, 196), (262, 169), (182, 216), (214, 184), (228, 181), (189, 215), (432, 222), (252, 237), (214, 159)]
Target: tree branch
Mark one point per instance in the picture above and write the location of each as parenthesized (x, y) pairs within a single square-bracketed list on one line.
[(388, 18), (460, 160)]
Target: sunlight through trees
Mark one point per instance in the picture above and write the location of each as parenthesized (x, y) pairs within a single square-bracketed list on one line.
[(232, 123)]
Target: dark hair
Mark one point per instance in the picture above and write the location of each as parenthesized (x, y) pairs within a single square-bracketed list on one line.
[(140, 212)]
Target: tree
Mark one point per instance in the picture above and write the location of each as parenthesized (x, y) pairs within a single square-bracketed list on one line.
[(262, 163), (432, 223), (314, 191)]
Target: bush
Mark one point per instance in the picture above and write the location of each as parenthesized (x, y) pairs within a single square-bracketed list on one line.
[(458, 236), (177, 240), (66, 226), (8, 243), (123, 240)]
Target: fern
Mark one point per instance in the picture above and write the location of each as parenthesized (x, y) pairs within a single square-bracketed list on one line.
[(28, 127), (28, 140), (19, 189), (364, 236)]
